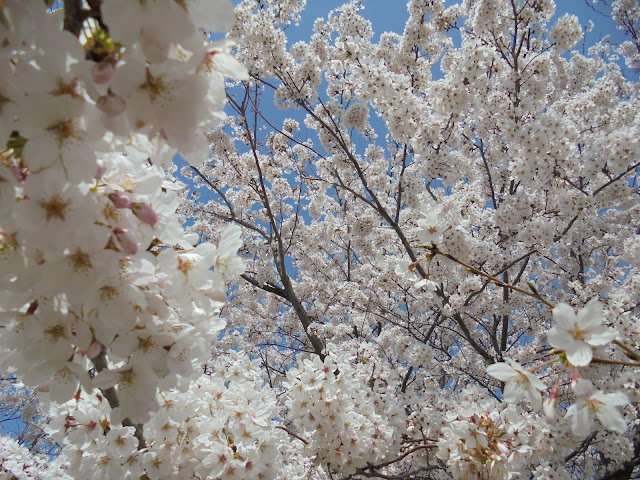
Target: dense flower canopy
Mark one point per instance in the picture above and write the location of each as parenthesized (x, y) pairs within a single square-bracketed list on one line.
[(424, 265)]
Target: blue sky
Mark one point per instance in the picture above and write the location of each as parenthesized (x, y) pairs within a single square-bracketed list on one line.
[(391, 15)]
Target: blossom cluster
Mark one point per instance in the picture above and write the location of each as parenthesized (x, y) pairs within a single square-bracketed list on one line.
[(573, 336), (101, 285), (18, 463), (466, 154), (221, 427), (484, 442), (332, 405)]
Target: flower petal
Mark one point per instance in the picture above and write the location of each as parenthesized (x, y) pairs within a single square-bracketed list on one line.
[(564, 316), (601, 336), (579, 353), (513, 392), (559, 338), (611, 418), (591, 315), (502, 371), (581, 421)]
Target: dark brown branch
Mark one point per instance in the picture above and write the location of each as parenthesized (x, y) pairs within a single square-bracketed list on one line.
[(74, 16), (292, 434)]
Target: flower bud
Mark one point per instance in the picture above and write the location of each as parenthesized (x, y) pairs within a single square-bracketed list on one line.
[(126, 239), (94, 349), (120, 199), (582, 387), (111, 104), (102, 72), (144, 213), (550, 408), (101, 168)]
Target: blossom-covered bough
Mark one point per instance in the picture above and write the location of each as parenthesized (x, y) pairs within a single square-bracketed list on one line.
[(106, 303), (439, 271)]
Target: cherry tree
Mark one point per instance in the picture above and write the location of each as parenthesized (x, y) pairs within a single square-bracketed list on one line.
[(432, 251)]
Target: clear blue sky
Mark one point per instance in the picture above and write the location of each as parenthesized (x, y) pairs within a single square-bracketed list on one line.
[(391, 15)]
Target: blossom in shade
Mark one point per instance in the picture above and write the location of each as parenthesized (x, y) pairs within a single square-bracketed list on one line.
[(593, 404), (519, 382)]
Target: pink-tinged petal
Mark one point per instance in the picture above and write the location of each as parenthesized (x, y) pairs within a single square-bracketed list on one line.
[(120, 199), (102, 72), (94, 349), (579, 353), (502, 372), (111, 104), (145, 213), (564, 316), (127, 240), (100, 169)]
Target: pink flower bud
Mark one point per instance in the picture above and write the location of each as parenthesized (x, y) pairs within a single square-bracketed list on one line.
[(101, 169), (43, 387), (94, 349), (111, 104), (126, 239), (144, 213), (120, 199), (20, 174), (102, 72)]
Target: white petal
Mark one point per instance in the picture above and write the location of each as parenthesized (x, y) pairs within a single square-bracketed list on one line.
[(559, 337), (106, 379), (535, 381), (601, 336), (591, 315), (513, 392), (550, 408), (611, 418), (216, 15), (581, 421), (63, 386), (534, 397), (502, 371), (579, 353), (564, 316), (617, 399)]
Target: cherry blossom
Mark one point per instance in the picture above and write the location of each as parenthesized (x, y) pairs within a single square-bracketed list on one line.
[(593, 404), (577, 333), (338, 289), (519, 382)]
